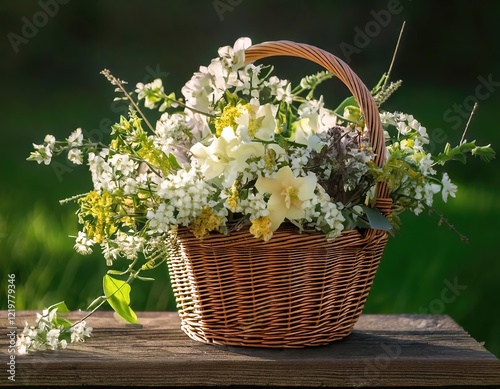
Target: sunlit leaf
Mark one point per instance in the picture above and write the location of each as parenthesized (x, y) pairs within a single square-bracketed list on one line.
[(117, 293)]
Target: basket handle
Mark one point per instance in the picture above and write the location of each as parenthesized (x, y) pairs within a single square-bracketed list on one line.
[(341, 70)]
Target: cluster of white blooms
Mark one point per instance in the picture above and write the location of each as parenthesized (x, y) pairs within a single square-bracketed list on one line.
[(50, 333), (325, 214), (43, 153), (127, 245), (253, 205), (75, 141), (183, 196), (111, 173), (282, 89), (174, 134), (409, 146), (83, 245)]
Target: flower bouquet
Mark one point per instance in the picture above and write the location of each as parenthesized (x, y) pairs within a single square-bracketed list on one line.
[(271, 209)]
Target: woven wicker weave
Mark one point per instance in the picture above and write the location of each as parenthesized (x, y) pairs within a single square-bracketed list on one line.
[(295, 290)]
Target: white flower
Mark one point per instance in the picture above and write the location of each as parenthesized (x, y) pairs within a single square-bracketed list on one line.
[(235, 56), (287, 195), (150, 93), (102, 172), (43, 153), (75, 156), (249, 80), (80, 331), (83, 244), (425, 164), (257, 123), (429, 191), (52, 338), (198, 91), (123, 164), (282, 89), (22, 344), (129, 245), (162, 218), (448, 187), (175, 135), (76, 138)]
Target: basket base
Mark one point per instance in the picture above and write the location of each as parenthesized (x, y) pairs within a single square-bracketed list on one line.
[(296, 342)]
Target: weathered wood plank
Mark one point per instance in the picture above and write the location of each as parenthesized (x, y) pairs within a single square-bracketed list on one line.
[(383, 350)]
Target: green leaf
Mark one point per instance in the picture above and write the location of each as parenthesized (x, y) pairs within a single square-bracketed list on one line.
[(61, 307), (173, 162), (376, 219), (117, 293), (349, 101), (62, 322), (486, 153), (352, 113)]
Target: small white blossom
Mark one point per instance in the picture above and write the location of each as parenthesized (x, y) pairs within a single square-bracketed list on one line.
[(52, 338), (75, 156), (76, 138), (149, 92), (83, 244), (448, 187), (80, 331)]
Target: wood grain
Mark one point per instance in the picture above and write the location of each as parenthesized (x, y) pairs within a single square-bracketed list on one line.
[(383, 350)]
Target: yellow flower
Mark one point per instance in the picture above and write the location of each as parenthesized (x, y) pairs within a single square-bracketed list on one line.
[(208, 221), (261, 228), (287, 195), (96, 213), (227, 119), (232, 201)]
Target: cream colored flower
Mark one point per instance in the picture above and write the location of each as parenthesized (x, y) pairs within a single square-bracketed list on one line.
[(227, 155), (257, 121), (287, 195)]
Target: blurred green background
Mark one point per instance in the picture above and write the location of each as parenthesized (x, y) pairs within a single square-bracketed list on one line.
[(51, 84)]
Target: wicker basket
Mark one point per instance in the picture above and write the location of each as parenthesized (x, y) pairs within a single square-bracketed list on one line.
[(295, 290)]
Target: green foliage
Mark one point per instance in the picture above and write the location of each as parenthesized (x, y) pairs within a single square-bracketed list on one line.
[(117, 293), (459, 153), (376, 219)]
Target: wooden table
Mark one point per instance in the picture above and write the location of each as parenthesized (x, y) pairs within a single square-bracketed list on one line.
[(382, 351)]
